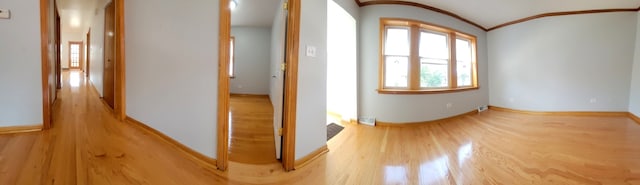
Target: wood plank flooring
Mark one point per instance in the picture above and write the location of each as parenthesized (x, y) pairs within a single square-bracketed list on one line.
[(251, 136), (88, 146)]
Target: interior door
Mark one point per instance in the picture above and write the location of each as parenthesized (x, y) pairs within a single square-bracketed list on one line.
[(109, 55), (278, 76)]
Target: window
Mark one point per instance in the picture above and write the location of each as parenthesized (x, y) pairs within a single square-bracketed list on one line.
[(417, 57), (232, 63)]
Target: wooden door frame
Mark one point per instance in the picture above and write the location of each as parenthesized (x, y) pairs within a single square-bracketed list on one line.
[(44, 52), (88, 54), (80, 44), (290, 85), (120, 82), (120, 100)]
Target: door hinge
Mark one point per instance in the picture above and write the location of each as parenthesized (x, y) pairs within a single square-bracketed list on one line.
[(280, 131), (285, 6), (283, 66)]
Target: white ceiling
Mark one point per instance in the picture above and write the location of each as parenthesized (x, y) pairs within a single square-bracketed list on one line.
[(487, 13), (76, 15), (490, 13), (254, 12)]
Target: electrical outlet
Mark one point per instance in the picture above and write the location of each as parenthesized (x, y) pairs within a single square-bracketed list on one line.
[(593, 100), (449, 105), (5, 14)]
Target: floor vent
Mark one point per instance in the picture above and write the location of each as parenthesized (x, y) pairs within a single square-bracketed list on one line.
[(367, 121), (482, 108)]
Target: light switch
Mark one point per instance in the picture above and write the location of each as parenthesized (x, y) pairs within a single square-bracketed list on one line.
[(4, 14), (311, 51)]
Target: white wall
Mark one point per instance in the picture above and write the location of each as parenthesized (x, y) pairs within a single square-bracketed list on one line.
[(342, 52), (96, 49), (311, 130), (20, 64), (65, 38), (252, 58), (413, 108), (634, 95), (561, 63), (172, 69)]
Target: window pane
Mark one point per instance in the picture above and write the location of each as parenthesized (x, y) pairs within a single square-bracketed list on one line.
[(433, 45), (464, 56), (464, 73), (397, 42), (463, 50), (433, 73), (396, 71)]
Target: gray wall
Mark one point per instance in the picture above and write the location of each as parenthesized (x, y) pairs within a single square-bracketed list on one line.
[(311, 130), (172, 69), (412, 108), (96, 50), (20, 64), (252, 58), (634, 98), (562, 63)]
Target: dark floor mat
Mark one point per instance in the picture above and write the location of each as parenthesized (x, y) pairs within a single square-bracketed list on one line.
[(333, 130)]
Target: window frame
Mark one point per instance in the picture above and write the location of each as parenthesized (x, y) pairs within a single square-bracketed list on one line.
[(415, 28)]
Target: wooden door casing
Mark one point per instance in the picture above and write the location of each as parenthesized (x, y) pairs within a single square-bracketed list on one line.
[(109, 56)]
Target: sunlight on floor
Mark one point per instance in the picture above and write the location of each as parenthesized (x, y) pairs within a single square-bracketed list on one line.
[(74, 78)]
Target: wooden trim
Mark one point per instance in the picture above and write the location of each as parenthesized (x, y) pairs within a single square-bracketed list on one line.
[(419, 5), (560, 113), (69, 54), (560, 14), (634, 117), (453, 61), (425, 91), (44, 52), (207, 162), (223, 85), (393, 2), (408, 124), (311, 157), (120, 82), (20, 129), (415, 28), (290, 92), (414, 57), (291, 85), (88, 57)]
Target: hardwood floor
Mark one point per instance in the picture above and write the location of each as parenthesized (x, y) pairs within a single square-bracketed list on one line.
[(87, 146), (251, 136)]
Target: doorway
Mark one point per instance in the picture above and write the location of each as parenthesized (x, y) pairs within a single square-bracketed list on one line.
[(256, 45), (66, 17), (285, 71), (75, 55)]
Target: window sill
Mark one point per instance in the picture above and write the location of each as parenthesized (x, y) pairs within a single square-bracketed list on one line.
[(424, 91)]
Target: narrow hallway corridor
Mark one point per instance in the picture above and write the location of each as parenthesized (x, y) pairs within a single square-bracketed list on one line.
[(87, 145)]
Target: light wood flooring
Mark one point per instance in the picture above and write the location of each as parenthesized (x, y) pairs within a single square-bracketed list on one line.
[(88, 146), (251, 136)]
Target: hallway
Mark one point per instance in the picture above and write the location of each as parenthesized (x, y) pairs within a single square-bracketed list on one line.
[(88, 146)]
